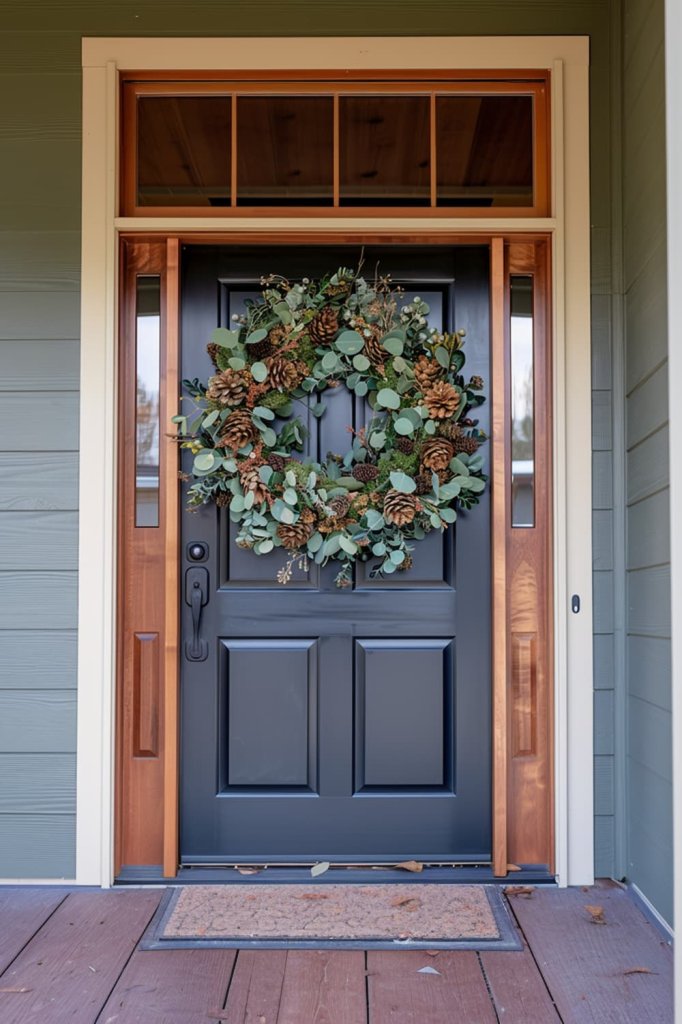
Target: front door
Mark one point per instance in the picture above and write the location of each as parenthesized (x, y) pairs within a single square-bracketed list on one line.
[(325, 724)]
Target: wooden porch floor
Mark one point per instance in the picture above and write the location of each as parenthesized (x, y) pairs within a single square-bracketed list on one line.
[(72, 956)]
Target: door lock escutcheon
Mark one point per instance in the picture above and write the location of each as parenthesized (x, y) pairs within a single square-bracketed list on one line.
[(196, 596)]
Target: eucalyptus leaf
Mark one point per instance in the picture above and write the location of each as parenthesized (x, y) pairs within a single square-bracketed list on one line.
[(283, 312), (249, 499), (403, 426), (458, 467), (265, 472), (256, 336), (349, 546), (403, 483), (330, 361), (210, 419), (475, 484), (374, 520), (204, 461), (443, 357), (222, 336), (361, 389), (318, 408), (399, 364), (379, 548), (259, 372), (430, 427), (290, 496), (236, 363), (237, 503), (315, 543), (377, 440), (393, 345), (264, 413), (397, 557), (448, 515), (265, 546), (388, 566), (388, 398), (331, 545), (269, 437), (350, 343), (290, 477), (361, 363)]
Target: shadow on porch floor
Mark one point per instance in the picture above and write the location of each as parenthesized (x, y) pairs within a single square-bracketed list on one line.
[(72, 956)]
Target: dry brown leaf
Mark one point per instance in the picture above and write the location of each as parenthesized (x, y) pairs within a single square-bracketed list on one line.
[(596, 913), (519, 890), (312, 896), (639, 970), (249, 871), (406, 902), (513, 867), (410, 865)]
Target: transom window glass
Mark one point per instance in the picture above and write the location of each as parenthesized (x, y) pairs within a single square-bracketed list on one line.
[(466, 145)]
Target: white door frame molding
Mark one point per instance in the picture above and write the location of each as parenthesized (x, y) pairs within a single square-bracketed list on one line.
[(568, 59)]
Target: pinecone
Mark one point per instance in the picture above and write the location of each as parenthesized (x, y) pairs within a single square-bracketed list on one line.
[(399, 508), (295, 535), (250, 480), (261, 350), (442, 400), (339, 506), (437, 452), (286, 374), (465, 444), (365, 471), (237, 431), (404, 445), (278, 462), (324, 326), (406, 564), (213, 349), (374, 350), (449, 430), (307, 516), (424, 483), (277, 335), (476, 383), (426, 372), (229, 387), (223, 500)]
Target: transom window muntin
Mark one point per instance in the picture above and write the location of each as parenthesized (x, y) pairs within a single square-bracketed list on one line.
[(466, 147)]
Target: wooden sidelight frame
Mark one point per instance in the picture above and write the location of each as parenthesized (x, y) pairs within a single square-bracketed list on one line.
[(147, 775)]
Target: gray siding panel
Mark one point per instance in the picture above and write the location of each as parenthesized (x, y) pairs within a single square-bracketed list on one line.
[(37, 784), (30, 600), (38, 845), (38, 660), (647, 466), (41, 481), (650, 737), (39, 366), (650, 836), (647, 406), (34, 540), (38, 721), (54, 430), (649, 670), (649, 531), (39, 315), (649, 601)]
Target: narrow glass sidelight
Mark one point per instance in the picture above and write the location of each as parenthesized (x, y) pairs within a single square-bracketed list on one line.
[(522, 401), (147, 373)]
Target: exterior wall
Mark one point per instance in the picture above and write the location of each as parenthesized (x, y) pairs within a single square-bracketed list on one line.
[(648, 686), (40, 214)]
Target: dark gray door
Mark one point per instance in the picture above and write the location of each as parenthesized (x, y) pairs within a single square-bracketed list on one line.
[(346, 725)]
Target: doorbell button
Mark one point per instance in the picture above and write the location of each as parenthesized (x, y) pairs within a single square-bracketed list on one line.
[(197, 551)]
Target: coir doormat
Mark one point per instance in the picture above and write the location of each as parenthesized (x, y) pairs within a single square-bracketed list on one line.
[(377, 916)]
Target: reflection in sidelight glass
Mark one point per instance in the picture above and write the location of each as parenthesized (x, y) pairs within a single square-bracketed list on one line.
[(147, 424), (522, 401)]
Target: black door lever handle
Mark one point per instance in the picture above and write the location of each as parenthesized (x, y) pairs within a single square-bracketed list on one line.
[(196, 596)]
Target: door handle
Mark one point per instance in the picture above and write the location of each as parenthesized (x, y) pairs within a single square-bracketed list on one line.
[(196, 596)]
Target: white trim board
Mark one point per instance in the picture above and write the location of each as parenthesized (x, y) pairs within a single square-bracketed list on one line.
[(568, 58)]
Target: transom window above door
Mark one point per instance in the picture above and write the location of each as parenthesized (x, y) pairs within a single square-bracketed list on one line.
[(463, 146)]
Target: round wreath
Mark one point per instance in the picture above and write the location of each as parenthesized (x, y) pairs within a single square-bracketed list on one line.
[(407, 471)]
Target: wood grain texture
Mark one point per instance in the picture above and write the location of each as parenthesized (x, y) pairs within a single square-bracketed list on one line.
[(256, 987), (517, 988), (37, 783), (43, 481), (38, 846), (32, 721), (399, 994), (22, 913), (595, 987), (181, 986), (39, 365), (39, 540), (38, 660), (323, 987), (71, 966)]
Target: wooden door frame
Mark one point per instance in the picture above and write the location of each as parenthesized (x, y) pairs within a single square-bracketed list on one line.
[(147, 780), (569, 226)]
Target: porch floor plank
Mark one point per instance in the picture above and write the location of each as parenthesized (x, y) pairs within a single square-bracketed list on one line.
[(585, 964), (180, 986), (256, 988), (67, 971), (400, 995), (323, 987), (517, 988), (22, 913)]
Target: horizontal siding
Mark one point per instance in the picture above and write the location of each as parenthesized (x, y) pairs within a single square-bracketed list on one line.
[(649, 601), (33, 540), (602, 480), (604, 793), (602, 539), (603, 722), (34, 600), (41, 261), (650, 845), (38, 845), (54, 430), (38, 660), (601, 421), (37, 784), (649, 670), (38, 721), (648, 467), (648, 531), (604, 656), (40, 481), (646, 316), (650, 737), (39, 365), (42, 315), (647, 406)]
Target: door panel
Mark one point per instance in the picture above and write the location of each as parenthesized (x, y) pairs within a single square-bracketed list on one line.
[(348, 725)]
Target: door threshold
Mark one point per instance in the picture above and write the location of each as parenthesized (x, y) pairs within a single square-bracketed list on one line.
[(534, 874)]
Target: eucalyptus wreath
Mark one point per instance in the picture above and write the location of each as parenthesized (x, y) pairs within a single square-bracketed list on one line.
[(407, 471)]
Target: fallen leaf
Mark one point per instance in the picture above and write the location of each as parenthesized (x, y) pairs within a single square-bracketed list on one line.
[(428, 970), (596, 913), (519, 890), (410, 865), (319, 869), (249, 871), (312, 896), (513, 867), (639, 970), (16, 989), (406, 902)]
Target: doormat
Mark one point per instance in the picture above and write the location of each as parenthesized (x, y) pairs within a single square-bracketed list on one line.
[(378, 916)]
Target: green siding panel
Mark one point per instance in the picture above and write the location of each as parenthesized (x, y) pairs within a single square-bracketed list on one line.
[(39, 315), (38, 721), (38, 660), (37, 784), (40, 261), (35, 600), (39, 365), (38, 845)]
